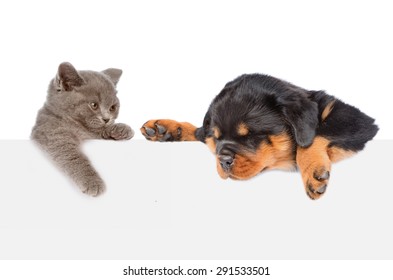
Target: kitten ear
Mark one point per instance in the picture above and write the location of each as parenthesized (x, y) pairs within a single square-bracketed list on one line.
[(67, 77), (113, 74)]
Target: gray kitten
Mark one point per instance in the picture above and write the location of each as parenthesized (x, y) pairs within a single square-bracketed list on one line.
[(80, 105)]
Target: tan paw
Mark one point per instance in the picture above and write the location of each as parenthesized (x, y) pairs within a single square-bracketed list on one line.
[(316, 179), (168, 130)]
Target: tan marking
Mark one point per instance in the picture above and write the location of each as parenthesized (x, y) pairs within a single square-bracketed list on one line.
[(277, 155), (307, 156), (337, 154), (327, 110), (221, 172), (242, 129), (211, 144), (188, 132), (216, 132)]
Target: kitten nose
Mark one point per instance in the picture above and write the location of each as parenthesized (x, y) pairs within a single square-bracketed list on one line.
[(106, 120)]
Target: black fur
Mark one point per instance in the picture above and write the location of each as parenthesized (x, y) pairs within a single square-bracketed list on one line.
[(270, 106)]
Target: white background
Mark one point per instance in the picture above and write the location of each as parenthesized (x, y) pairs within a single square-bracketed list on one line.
[(177, 55)]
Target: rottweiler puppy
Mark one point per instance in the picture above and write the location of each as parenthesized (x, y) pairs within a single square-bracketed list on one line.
[(258, 122)]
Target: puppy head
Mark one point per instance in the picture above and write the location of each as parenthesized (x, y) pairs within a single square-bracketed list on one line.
[(252, 128)]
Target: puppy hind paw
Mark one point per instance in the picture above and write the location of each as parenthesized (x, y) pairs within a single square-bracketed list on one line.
[(316, 185)]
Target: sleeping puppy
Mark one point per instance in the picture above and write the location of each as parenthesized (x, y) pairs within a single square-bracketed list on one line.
[(258, 122)]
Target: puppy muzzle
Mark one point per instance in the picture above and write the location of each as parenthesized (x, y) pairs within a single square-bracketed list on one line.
[(226, 155), (226, 162)]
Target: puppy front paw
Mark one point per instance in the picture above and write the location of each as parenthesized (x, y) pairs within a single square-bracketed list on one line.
[(168, 130)]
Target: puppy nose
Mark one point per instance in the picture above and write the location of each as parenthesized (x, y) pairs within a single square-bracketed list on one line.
[(106, 120), (226, 162)]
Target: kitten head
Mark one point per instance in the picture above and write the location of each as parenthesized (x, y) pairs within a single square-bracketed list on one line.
[(88, 97)]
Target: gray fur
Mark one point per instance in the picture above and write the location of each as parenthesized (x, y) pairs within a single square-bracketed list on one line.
[(76, 107)]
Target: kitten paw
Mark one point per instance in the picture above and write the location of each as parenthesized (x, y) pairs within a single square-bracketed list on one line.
[(93, 187), (119, 131)]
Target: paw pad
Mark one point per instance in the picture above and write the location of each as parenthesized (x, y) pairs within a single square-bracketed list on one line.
[(160, 128), (149, 131), (316, 181), (320, 176), (155, 130)]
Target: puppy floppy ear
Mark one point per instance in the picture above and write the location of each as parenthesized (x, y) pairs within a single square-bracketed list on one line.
[(67, 77), (301, 113)]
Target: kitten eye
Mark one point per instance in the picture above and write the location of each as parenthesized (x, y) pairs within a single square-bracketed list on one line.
[(112, 108), (94, 105)]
